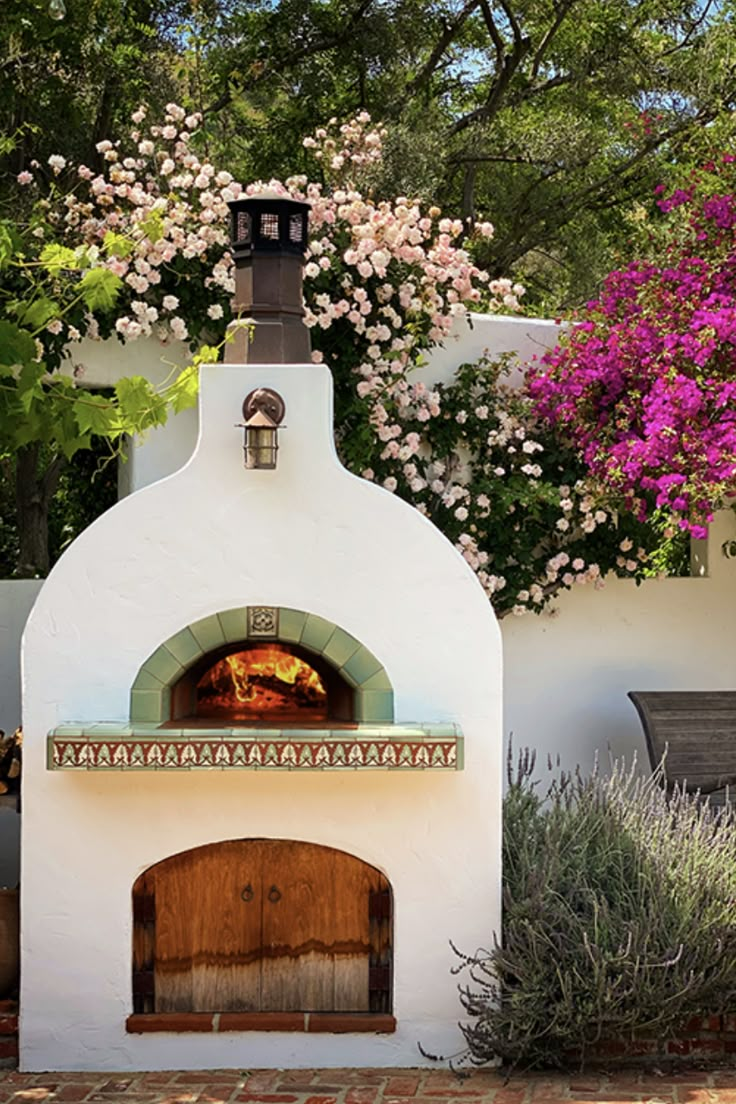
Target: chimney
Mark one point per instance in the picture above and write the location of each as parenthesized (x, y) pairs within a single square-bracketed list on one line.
[(268, 239)]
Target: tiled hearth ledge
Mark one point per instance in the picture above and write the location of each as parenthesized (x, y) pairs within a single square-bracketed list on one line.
[(358, 747)]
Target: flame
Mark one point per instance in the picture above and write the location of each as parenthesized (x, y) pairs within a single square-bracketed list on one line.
[(265, 679)]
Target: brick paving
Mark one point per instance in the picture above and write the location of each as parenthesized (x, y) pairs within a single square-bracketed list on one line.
[(371, 1086)]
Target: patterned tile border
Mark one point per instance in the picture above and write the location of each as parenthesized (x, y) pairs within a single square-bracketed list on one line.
[(147, 747), (150, 695)]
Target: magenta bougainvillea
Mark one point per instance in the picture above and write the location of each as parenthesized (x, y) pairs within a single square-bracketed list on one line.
[(644, 385)]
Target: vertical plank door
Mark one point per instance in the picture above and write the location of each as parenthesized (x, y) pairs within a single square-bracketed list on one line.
[(208, 929), (316, 928), (262, 926)]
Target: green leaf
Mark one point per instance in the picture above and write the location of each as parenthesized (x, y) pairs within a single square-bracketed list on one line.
[(29, 384), (32, 427), (16, 345), (100, 288), (36, 313), (71, 445), (95, 414), (7, 244), (140, 406), (117, 245), (183, 392), (134, 395), (55, 257), (207, 354), (152, 226)]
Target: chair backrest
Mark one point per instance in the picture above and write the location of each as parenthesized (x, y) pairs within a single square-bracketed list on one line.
[(697, 728)]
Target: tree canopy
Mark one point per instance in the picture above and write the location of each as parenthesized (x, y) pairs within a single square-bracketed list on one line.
[(551, 117)]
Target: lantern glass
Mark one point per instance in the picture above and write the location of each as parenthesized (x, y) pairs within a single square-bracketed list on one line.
[(270, 226), (242, 228), (296, 228), (260, 447)]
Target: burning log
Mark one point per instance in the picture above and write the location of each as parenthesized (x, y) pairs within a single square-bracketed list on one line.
[(264, 681)]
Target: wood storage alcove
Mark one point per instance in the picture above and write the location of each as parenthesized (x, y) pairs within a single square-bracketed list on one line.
[(262, 934)]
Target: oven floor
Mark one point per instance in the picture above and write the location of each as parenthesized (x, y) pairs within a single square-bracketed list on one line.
[(261, 722)]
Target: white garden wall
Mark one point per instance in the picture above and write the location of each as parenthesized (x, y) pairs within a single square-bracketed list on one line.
[(567, 675)]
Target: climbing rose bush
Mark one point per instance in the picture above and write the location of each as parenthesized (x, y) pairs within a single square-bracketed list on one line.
[(384, 281), (515, 500), (644, 385)]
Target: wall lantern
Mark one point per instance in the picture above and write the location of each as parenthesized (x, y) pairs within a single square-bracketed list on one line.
[(263, 411)]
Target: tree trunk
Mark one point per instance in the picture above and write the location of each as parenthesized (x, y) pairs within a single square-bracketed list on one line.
[(34, 489)]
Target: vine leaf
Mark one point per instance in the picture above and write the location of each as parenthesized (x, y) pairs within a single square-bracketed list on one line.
[(94, 414), (16, 345), (100, 288)]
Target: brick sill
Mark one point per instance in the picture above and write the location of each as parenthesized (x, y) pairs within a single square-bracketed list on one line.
[(309, 1022)]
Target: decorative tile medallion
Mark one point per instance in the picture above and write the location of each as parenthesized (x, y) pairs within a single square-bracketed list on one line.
[(263, 621), (365, 747)]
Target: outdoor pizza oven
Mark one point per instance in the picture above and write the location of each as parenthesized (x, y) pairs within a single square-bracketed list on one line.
[(262, 750)]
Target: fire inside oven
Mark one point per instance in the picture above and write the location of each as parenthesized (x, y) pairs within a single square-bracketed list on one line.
[(262, 683)]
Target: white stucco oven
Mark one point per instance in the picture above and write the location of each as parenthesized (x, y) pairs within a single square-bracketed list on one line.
[(142, 814)]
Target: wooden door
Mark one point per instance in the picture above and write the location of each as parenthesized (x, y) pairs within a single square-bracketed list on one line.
[(261, 925), (208, 929)]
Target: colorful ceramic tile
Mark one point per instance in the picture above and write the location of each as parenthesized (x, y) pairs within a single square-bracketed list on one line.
[(147, 747)]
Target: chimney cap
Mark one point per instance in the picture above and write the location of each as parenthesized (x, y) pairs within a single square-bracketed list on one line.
[(268, 222), (266, 193)]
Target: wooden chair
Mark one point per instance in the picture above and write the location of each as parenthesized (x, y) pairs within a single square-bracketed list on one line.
[(697, 730)]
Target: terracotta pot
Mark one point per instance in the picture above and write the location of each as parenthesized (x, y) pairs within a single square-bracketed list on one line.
[(9, 941)]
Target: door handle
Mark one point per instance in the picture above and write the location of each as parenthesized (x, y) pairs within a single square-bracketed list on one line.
[(274, 895), (247, 894)]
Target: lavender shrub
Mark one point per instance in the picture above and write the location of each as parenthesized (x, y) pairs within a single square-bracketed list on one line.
[(619, 918)]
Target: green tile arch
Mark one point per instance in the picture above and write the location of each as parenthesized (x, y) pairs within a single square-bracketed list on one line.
[(150, 695)]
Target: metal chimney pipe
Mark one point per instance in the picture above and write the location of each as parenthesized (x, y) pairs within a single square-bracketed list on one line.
[(268, 235)]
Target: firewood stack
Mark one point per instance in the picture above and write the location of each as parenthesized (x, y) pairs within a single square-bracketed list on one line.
[(10, 760)]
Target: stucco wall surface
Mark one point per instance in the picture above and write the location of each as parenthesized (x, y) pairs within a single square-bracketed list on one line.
[(567, 674), (213, 537), (491, 334)]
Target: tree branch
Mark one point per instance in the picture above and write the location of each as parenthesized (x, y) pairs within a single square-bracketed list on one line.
[(563, 9), (493, 31), (509, 64), (312, 49), (542, 228), (440, 46), (694, 26), (468, 209), (515, 28)]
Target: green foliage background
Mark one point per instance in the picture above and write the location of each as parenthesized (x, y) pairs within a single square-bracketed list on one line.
[(87, 487)]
